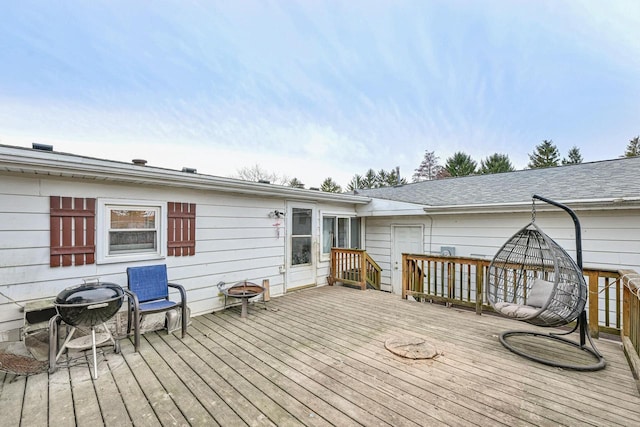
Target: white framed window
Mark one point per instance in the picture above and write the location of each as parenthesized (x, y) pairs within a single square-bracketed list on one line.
[(130, 230), (340, 231)]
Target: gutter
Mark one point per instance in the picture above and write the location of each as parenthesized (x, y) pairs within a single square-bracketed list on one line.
[(517, 207), (31, 161)]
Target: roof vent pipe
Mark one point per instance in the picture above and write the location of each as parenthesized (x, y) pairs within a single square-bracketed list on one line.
[(43, 147), (139, 162), (189, 170)]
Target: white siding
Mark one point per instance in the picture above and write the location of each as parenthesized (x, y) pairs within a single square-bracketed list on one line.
[(610, 239), (235, 240)]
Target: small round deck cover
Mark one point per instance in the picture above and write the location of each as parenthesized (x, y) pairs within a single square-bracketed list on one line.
[(411, 347)]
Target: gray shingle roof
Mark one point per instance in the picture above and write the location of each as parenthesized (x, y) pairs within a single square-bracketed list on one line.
[(608, 179)]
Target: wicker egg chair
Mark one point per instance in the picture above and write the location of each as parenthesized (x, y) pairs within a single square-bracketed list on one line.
[(533, 279)]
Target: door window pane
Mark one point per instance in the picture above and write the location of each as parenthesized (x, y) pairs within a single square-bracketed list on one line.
[(355, 233), (328, 233), (343, 232), (301, 222), (300, 250), (301, 227)]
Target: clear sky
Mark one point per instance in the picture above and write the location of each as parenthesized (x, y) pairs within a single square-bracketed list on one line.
[(312, 89)]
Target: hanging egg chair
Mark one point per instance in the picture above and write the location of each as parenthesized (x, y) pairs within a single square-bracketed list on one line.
[(534, 280)]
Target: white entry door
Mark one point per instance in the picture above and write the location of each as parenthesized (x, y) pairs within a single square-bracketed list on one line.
[(406, 239), (301, 245)]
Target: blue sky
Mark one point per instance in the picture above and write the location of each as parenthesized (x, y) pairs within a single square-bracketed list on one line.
[(313, 89)]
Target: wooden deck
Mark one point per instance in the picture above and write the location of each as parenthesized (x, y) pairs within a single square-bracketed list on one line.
[(317, 357)]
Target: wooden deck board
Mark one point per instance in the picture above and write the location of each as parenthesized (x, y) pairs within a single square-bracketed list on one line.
[(164, 408), (136, 405), (36, 395), (321, 374), (363, 375), (555, 390), (317, 358), (434, 388), (300, 387), (300, 413), (502, 395), (85, 400), (174, 384), (12, 398), (61, 407)]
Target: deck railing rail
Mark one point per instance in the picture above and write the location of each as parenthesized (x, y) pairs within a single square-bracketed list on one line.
[(460, 281), (354, 267), (630, 332)]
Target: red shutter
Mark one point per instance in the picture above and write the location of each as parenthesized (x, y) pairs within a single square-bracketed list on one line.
[(72, 231), (181, 233)]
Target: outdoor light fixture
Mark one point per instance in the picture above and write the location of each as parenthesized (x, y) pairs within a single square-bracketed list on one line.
[(276, 214)]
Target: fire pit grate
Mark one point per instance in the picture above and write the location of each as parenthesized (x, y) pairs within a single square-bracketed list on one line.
[(20, 365)]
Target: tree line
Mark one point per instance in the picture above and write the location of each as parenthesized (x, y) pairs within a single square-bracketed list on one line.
[(545, 155)]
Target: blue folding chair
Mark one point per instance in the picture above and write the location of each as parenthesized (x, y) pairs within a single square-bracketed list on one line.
[(149, 293)]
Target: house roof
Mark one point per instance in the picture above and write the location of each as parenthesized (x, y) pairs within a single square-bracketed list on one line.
[(20, 160), (605, 181)]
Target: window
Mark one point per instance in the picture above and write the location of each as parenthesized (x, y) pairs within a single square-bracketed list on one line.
[(340, 232), (301, 236), (131, 231)]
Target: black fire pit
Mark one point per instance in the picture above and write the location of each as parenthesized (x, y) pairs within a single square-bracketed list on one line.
[(88, 305)]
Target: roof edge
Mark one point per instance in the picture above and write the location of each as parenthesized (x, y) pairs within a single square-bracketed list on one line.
[(579, 204), (27, 160)]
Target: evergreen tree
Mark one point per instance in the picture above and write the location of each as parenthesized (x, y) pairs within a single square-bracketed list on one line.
[(544, 156), (496, 163), (573, 157), (633, 148), (370, 179), (428, 169), (330, 186), (391, 178), (460, 164), (356, 183), (295, 183)]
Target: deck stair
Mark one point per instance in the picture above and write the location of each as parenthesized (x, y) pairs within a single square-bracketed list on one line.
[(354, 267)]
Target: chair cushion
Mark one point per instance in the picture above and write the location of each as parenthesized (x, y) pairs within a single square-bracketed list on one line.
[(148, 282), (159, 305), (516, 311), (539, 293)]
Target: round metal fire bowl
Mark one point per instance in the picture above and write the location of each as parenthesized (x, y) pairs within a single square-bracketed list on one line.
[(244, 291)]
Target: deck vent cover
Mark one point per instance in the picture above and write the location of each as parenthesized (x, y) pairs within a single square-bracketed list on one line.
[(43, 147)]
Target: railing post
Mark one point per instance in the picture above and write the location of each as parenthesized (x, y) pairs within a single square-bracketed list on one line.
[(333, 267), (363, 271), (626, 304), (405, 276), (479, 286), (594, 330)]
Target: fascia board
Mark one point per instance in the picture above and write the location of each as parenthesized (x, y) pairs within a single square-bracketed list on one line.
[(27, 161), (517, 207)]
